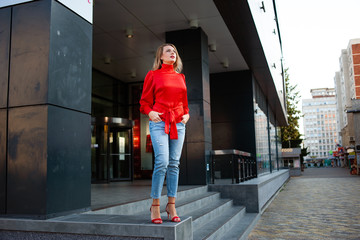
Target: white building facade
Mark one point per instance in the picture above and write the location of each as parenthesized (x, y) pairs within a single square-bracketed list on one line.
[(320, 122), (340, 117), (347, 87)]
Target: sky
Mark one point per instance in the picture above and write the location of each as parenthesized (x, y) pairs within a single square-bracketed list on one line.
[(313, 33)]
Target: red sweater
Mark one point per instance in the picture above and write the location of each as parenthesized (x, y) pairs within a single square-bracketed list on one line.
[(165, 91)]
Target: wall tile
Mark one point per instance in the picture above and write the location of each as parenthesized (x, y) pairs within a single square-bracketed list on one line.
[(29, 54), (3, 113), (27, 143), (68, 160), (70, 64), (5, 19)]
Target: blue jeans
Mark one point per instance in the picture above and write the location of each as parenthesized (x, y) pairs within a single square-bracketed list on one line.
[(167, 158)]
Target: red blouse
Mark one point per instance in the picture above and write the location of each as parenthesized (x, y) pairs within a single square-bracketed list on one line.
[(165, 91)]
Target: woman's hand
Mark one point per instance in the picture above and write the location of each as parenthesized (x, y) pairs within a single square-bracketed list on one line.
[(155, 116), (185, 118)]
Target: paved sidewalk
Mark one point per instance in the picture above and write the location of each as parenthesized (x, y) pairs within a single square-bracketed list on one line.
[(324, 203)]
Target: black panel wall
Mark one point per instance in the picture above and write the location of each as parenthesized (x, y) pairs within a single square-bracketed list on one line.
[(70, 65), (29, 61), (45, 121), (27, 168), (5, 23), (68, 160), (193, 49), (3, 120), (110, 96), (5, 20), (232, 111)]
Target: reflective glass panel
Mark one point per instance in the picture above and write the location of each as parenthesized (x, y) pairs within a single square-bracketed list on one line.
[(262, 146)]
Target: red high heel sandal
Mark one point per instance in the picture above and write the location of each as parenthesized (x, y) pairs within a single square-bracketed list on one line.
[(175, 218), (156, 220)]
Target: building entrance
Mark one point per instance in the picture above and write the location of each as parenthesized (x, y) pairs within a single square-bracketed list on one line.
[(112, 149)]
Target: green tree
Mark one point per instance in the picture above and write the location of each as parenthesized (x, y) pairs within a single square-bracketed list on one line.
[(290, 135), (304, 152)]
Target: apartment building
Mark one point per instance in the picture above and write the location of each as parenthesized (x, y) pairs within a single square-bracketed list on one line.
[(320, 115), (347, 87)]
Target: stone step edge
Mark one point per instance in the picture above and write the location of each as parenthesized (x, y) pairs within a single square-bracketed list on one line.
[(146, 203), (167, 230), (229, 221), (250, 227), (208, 215)]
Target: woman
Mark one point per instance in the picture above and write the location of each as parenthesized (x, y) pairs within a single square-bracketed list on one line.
[(164, 100)]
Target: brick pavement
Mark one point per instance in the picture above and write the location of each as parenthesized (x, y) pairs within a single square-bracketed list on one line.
[(324, 203)]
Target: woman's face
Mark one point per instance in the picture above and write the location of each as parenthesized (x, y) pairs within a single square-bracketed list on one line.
[(168, 55)]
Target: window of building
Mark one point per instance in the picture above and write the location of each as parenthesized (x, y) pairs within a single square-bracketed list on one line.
[(262, 147)]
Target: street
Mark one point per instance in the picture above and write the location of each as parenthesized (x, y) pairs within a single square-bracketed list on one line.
[(323, 203)]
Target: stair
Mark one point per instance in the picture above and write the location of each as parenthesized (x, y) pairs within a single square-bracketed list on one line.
[(204, 215), (212, 217)]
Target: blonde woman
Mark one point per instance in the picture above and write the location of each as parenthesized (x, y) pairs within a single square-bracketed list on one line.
[(164, 100)]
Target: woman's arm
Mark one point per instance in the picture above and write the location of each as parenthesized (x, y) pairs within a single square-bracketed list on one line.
[(186, 116), (147, 96)]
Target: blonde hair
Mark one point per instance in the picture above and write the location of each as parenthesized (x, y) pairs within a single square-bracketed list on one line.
[(157, 62)]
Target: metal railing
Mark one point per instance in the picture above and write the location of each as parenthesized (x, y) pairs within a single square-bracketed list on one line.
[(232, 166)]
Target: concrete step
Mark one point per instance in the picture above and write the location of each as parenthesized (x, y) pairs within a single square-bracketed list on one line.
[(204, 215), (192, 204), (190, 192), (242, 229), (187, 206), (219, 226), (143, 206), (211, 217), (210, 212), (97, 226)]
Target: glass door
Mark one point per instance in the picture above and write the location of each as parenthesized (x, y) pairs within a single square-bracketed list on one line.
[(99, 163), (111, 150), (120, 165)]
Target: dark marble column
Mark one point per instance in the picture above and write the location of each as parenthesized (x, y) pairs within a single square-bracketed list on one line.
[(192, 45), (3, 121), (5, 23), (47, 111), (232, 111)]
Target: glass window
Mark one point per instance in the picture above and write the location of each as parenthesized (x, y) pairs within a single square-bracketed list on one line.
[(273, 147), (262, 146)]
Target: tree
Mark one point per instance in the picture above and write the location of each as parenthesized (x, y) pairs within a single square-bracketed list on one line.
[(304, 152), (290, 135)]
